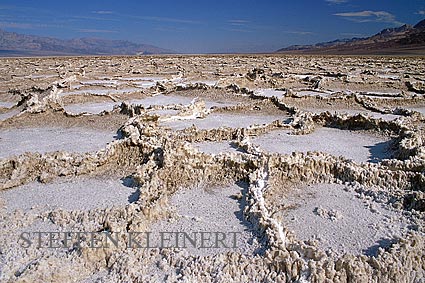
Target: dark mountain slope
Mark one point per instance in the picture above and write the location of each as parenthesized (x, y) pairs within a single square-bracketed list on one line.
[(14, 44)]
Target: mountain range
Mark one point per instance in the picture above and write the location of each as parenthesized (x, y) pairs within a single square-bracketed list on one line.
[(406, 39), (14, 44)]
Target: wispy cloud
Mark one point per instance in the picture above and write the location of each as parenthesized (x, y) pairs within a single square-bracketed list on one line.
[(421, 12), (93, 18), (336, 1), (170, 29), (370, 16), (297, 32), (238, 21), (238, 30), (103, 12), (241, 26), (246, 26), (169, 20), (160, 19), (33, 11), (25, 25), (7, 7), (97, 31)]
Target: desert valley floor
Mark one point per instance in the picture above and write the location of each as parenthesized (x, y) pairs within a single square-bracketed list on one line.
[(315, 164)]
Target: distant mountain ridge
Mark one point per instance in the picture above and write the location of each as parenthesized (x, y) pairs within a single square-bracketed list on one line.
[(15, 44), (406, 39)]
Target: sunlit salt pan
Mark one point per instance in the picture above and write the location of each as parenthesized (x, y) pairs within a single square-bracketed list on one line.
[(48, 139), (210, 209), (302, 77), (270, 92), (98, 107), (43, 76), (144, 84), (417, 109), (93, 108), (356, 145), (6, 104), (217, 120), (312, 93), (162, 100), (353, 227), (101, 91), (151, 79), (99, 82), (67, 194), (8, 114), (391, 77), (175, 99)]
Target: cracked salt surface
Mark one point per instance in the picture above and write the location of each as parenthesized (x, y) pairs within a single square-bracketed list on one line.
[(93, 108), (215, 147), (359, 146), (231, 120), (270, 92), (43, 76), (8, 114), (206, 209), (312, 93), (185, 83), (68, 194), (98, 107), (207, 82), (48, 139), (417, 109), (161, 99), (7, 104), (164, 112), (99, 82), (152, 79), (353, 112), (357, 229), (337, 219), (144, 84), (176, 99), (100, 91)]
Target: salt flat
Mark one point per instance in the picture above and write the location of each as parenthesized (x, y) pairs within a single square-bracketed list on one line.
[(68, 194), (340, 221), (49, 139), (356, 145), (224, 120), (279, 156)]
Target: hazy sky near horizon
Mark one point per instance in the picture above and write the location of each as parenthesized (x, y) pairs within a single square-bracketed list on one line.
[(201, 26)]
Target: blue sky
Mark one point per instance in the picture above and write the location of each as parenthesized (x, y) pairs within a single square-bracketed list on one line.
[(202, 26)]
